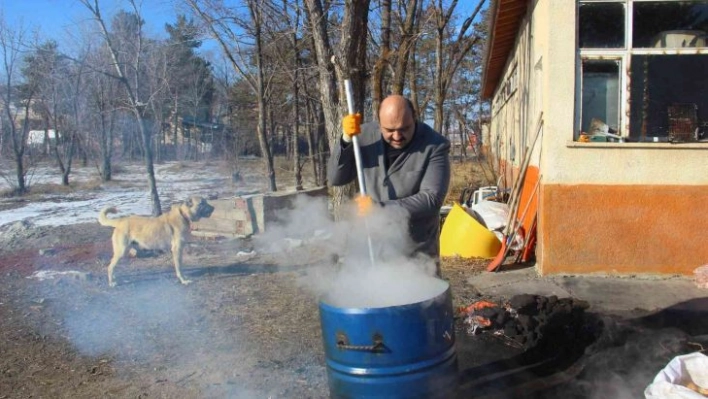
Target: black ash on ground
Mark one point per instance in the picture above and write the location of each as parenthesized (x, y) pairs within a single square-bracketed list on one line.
[(524, 320)]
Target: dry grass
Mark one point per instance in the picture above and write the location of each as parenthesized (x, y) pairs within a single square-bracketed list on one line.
[(468, 174), (189, 165), (285, 176), (40, 189)]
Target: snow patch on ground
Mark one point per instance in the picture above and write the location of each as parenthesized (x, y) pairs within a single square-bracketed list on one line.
[(128, 192)]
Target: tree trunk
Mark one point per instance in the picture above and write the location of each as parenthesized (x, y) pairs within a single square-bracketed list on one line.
[(69, 158), (414, 85), (410, 29), (20, 173), (377, 83), (330, 112), (19, 149), (321, 145), (106, 148), (296, 128), (311, 151), (149, 165), (255, 11), (438, 94)]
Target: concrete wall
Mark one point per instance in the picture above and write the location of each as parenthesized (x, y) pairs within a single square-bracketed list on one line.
[(246, 215), (622, 208)]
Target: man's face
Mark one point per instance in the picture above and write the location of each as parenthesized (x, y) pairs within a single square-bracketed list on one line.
[(397, 128)]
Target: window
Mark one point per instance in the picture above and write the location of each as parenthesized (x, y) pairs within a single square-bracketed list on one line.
[(601, 25), (642, 69), (600, 98)]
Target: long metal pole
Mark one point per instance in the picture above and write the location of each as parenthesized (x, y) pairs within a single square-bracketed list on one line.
[(355, 139), (359, 168)]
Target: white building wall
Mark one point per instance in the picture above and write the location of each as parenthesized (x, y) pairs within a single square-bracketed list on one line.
[(542, 70)]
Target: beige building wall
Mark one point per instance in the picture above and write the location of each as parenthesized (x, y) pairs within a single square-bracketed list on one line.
[(622, 208)]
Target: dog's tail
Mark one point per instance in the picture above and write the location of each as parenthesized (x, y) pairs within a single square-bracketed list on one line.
[(103, 216)]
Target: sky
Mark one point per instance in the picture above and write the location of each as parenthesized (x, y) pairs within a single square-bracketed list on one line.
[(59, 18), (56, 18)]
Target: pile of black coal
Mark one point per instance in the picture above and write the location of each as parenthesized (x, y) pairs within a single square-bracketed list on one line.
[(528, 320)]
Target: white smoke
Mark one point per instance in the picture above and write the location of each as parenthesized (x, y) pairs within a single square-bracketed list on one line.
[(123, 321), (374, 267), (382, 285)]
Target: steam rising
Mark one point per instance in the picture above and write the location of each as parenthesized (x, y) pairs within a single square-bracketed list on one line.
[(124, 322), (382, 285), (395, 277)]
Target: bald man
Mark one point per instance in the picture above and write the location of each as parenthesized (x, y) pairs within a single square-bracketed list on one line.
[(405, 163)]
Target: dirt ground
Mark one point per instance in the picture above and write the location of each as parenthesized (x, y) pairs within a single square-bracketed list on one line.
[(245, 328)]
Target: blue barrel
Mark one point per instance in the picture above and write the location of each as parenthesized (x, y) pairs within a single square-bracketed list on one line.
[(405, 351)]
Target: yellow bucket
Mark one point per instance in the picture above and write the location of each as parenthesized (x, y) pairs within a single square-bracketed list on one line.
[(463, 236)]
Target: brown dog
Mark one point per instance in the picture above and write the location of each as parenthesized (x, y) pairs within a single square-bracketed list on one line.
[(167, 231)]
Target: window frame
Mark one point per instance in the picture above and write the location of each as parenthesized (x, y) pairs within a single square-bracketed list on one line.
[(624, 55)]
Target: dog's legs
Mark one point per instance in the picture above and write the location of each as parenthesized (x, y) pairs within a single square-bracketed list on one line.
[(120, 249), (177, 258)]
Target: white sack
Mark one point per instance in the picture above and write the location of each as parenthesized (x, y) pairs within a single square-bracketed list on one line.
[(670, 382), (493, 213)]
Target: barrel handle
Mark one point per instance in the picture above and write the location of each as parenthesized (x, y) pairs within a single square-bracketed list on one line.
[(377, 347)]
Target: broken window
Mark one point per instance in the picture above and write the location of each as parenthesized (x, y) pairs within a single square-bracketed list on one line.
[(663, 46)]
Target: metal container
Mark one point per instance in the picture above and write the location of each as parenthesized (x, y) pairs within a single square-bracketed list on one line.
[(405, 351)]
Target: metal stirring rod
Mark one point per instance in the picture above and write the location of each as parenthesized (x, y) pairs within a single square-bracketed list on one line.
[(359, 168)]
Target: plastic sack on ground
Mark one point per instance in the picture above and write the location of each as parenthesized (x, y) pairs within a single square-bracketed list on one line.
[(682, 378), (493, 213)]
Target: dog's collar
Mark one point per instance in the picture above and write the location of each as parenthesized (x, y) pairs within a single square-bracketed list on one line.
[(186, 219)]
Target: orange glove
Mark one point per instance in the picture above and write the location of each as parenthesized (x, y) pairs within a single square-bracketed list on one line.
[(351, 124), (364, 205)]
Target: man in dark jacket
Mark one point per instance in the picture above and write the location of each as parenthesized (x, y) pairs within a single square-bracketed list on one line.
[(405, 163)]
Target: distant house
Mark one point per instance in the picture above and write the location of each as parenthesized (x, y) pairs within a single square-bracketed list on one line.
[(622, 158), (37, 137)]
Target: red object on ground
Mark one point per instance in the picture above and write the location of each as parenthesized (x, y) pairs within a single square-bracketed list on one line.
[(477, 306)]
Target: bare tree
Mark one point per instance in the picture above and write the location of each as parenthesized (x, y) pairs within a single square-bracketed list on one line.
[(283, 53), (349, 62), (377, 82), (218, 19), (131, 83), (408, 16), (102, 103), (398, 36), (449, 53), (229, 145), (15, 101), (293, 22), (58, 101)]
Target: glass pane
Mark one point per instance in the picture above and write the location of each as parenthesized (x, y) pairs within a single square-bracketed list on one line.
[(670, 24), (600, 102), (601, 25), (669, 97)]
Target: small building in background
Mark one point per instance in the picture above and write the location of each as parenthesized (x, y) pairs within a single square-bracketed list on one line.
[(38, 138)]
